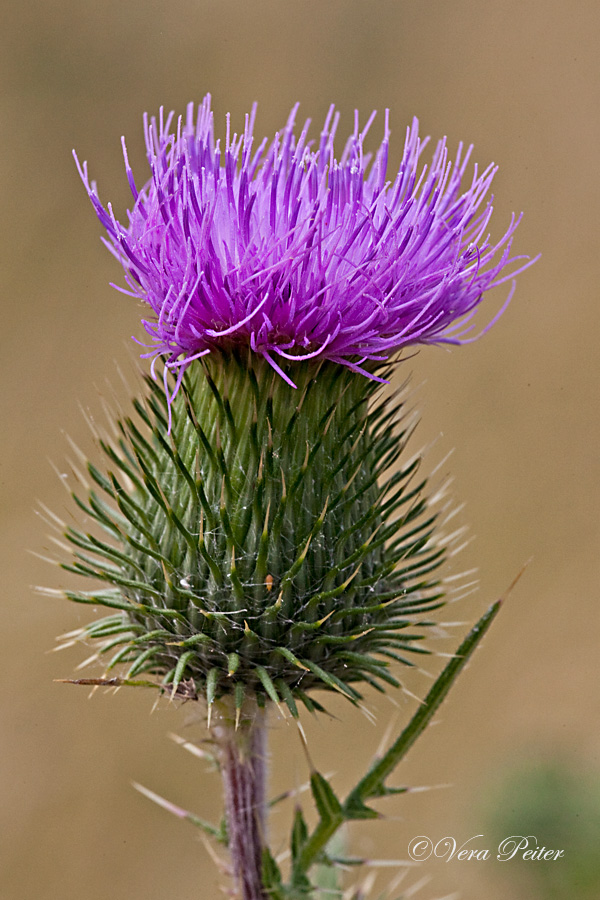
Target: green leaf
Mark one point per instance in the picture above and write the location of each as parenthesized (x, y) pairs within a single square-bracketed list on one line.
[(233, 662), (354, 808), (141, 659), (211, 687), (271, 876), (299, 833), (328, 805), (267, 683), (331, 817), (332, 681), (373, 781), (287, 696), (180, 668)]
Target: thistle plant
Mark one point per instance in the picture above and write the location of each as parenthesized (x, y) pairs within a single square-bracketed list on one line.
[(255, 531)]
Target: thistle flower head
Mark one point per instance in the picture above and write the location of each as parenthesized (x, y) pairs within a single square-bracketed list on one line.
[(255, 534), (258, 534), (285, 249)]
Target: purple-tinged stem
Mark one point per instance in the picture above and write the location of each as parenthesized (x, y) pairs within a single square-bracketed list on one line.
[(242, 756)]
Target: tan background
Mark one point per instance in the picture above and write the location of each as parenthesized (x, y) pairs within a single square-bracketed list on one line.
[(518, 78)]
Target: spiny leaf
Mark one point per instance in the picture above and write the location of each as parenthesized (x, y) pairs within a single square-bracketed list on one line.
[(372, 785), (328, 805), (331, 680), (267, 683), (180, 668), (299, 833), (374, 780), (287, 696), (271, 877), (331, 817), (211, 687), (146, 655)]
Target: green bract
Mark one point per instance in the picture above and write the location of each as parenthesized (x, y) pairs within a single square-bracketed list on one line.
[(268, 543)]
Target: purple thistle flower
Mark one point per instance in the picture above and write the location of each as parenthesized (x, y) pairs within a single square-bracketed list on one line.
[(297, 255)]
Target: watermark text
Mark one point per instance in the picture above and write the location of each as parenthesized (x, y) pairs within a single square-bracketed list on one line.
[(517, 846)]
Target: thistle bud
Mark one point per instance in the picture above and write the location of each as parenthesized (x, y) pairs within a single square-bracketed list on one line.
[(263, 542)]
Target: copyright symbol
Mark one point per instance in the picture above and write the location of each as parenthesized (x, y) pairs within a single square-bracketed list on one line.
[(420, 848)]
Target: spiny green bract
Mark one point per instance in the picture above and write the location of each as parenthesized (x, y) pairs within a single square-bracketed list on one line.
[(267, 543)]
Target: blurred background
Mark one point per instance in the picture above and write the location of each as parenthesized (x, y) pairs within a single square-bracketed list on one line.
[(519, 409)]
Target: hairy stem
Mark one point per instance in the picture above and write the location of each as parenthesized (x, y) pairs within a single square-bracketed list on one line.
[(242, 755)]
